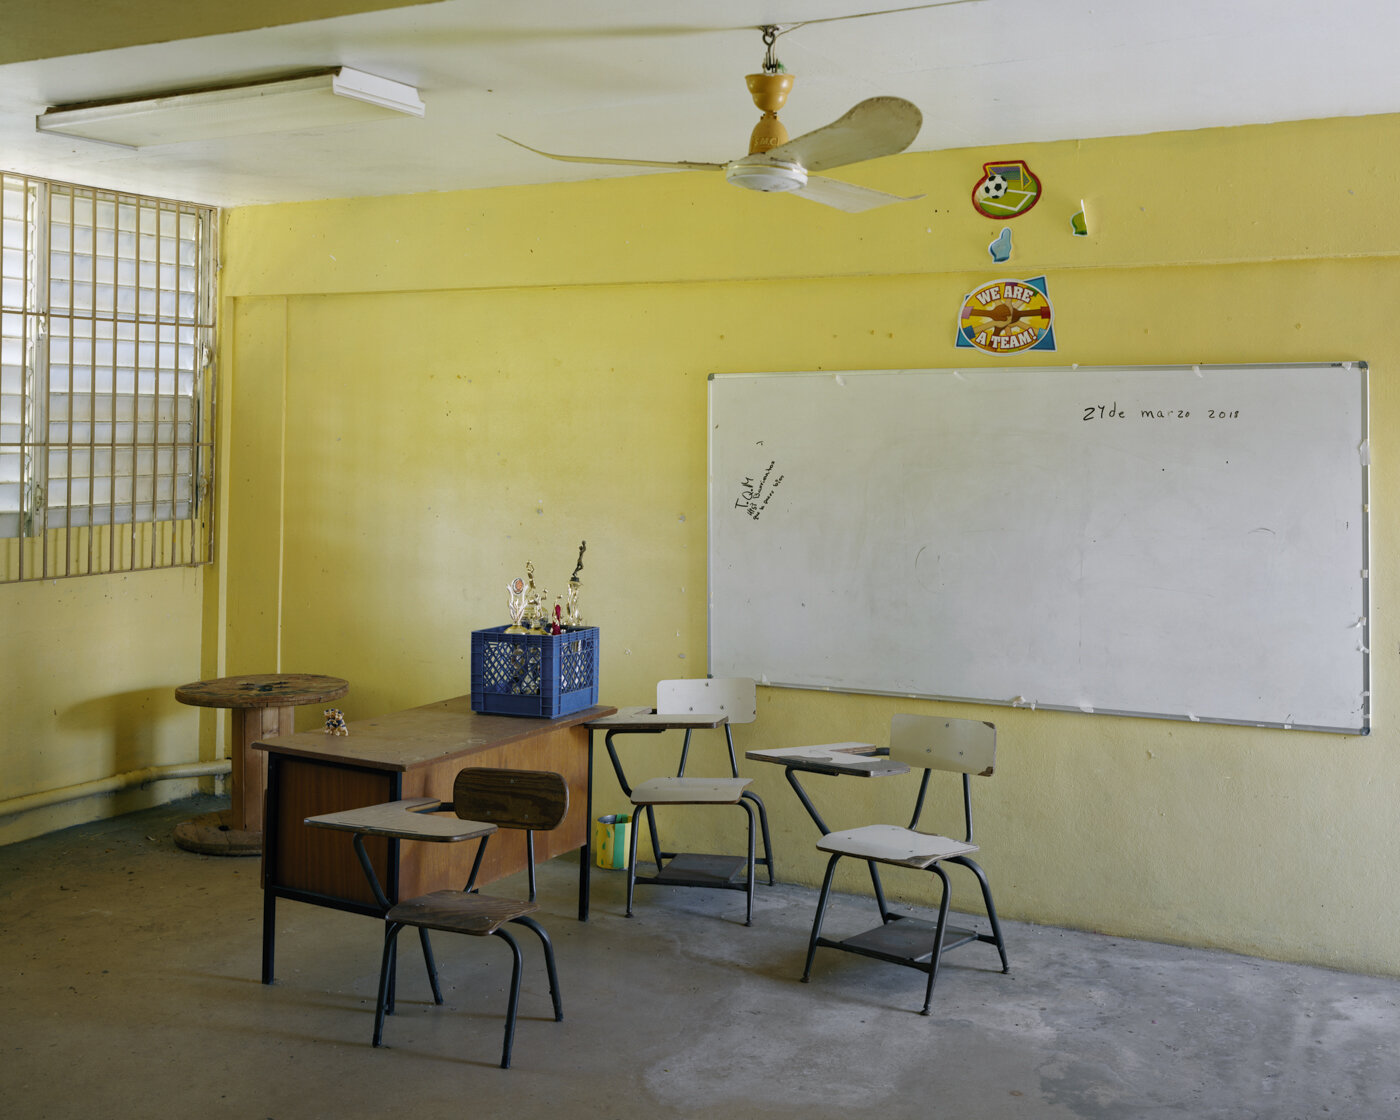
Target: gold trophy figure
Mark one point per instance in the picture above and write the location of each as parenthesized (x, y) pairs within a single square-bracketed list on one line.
[(571, 612), (534, 617)]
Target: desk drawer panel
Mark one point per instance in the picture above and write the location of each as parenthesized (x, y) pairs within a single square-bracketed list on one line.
[(317, 859)]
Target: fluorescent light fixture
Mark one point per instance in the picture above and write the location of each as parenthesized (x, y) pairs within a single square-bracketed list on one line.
[(315, 100)]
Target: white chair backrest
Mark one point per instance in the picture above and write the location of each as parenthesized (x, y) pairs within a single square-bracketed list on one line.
[(735, 697), (968, 746)]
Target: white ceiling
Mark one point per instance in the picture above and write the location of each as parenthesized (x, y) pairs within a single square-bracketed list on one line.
[(664, 79)]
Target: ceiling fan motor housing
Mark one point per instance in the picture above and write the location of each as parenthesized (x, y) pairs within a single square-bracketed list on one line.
[(769, 92), (766, 176)]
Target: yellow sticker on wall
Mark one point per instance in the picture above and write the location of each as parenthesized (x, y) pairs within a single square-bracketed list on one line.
[(1008, 317)]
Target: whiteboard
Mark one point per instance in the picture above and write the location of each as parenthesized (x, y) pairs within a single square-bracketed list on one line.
[(1176, 542)]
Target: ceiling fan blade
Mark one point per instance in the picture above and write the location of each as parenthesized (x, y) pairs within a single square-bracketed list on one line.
[(682, 165), (847, 196), (879, 126), (884, 12)]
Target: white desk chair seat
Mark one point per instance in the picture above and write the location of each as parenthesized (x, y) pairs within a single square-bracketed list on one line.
[(888, 843), (689, 791)]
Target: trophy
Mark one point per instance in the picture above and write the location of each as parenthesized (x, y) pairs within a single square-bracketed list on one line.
[(533, 618), (571, 612), (516, 590)]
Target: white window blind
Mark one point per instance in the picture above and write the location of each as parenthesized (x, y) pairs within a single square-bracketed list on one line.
[(106, 376)]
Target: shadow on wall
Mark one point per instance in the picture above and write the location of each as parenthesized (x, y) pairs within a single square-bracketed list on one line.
[(130, 723)]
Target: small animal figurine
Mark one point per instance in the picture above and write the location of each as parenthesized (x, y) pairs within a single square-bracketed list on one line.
[(335, 722)]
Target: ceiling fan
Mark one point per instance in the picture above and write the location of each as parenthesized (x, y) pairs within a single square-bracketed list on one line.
[(878, 126)]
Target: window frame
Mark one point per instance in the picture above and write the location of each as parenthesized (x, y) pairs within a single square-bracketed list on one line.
[(108, 366)]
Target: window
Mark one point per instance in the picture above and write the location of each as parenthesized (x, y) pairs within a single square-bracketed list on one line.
[(106, 380)]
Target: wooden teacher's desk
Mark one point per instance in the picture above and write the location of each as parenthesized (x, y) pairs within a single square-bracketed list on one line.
[(413, 753)]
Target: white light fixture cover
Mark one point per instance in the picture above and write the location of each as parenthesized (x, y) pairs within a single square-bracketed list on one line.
[(332, 97)]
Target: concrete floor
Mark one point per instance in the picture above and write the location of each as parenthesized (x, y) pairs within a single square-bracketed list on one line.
[(130, 988)]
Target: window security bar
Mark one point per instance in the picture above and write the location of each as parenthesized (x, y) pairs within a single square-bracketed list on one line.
[(106, 380)]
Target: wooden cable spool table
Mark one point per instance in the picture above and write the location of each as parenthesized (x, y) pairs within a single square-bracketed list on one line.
[(264, 706)]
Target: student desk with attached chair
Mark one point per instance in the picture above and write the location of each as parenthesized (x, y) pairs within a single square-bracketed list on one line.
[(407, 754)]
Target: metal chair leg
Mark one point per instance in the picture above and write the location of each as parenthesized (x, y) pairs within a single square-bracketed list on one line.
[(393, 979), (530, 923), (767, 840), (431, 963), (885, 915), (748, 886), (1000, 943), (514, 996), (822, 900), (937, 935), (632, 864), (386, 968), (650, 811)]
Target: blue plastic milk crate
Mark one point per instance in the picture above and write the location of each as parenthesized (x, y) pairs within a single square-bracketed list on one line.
[(543, 675)]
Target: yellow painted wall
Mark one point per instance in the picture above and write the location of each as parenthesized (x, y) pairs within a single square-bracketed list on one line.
[(88, 669), (441, 387)]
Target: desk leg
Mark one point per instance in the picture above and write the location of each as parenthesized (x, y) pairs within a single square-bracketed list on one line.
[(269, 933), (585, 854), (271, 839)]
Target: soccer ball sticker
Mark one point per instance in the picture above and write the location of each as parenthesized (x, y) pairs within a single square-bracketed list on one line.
[(1007, 188)]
